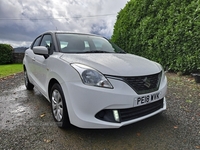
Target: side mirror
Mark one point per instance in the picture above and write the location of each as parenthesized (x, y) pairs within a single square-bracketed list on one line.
[(41, 50)]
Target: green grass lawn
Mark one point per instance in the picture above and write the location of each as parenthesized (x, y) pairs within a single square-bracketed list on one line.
[(6, 70)]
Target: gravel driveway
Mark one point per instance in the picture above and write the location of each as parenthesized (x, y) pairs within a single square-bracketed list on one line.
[(26, 122)]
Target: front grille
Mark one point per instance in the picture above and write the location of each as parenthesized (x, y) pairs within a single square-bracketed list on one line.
[(144, 84), (136, 112)]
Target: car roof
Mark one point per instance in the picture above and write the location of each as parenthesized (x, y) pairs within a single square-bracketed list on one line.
[(70, 32)]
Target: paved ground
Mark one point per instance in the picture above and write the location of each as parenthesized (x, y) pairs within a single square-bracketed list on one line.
[(26, 122)]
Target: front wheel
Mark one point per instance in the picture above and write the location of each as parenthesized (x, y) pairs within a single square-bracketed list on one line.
[(58, 106)]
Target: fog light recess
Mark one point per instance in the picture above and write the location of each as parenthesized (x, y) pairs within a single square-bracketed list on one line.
[(109, 115)]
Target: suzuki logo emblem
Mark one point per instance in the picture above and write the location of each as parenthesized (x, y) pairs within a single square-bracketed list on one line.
[(147, 82)]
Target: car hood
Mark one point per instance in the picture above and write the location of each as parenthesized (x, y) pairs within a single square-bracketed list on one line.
[(115, 64)]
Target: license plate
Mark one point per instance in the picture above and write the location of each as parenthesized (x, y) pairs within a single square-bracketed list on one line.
[(147, 99)]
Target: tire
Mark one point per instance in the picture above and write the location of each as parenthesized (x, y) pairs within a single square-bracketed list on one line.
[(28, 84), (58, 106)]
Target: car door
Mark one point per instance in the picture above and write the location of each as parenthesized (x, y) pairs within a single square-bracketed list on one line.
[(41, 69), (30, 59)]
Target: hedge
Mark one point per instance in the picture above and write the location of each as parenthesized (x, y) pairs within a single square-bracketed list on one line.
[(166, 31), (6, 54)]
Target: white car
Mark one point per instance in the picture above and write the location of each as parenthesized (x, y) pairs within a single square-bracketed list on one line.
[(92, 83)]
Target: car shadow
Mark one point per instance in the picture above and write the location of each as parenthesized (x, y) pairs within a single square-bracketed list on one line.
[(157, 121)]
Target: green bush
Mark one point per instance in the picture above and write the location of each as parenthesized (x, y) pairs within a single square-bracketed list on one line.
[(166, 31), (6, 54)]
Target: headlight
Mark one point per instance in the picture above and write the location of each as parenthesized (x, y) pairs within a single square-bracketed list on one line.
[(91, 76), (163, 72)]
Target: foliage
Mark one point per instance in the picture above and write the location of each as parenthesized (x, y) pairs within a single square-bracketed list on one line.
[(166, 31), (6, 54)]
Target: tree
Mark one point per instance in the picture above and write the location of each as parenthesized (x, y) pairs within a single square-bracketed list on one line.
[(166, 31), (6, 54)]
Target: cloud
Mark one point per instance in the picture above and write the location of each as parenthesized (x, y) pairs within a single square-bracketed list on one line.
[(21, 21)]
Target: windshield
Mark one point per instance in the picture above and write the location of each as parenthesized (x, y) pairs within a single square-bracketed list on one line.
[(80, 43)]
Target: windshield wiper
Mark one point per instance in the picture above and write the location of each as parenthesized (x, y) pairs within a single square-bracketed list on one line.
[(123, 52), (97, 51)]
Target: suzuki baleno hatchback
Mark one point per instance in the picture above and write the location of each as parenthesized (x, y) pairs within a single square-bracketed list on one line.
[(91, 82)]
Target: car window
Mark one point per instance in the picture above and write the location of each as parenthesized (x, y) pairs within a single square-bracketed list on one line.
[(63, 44), (37, 42), (97, 44), (87, 45), (46, 41), (74, 43)]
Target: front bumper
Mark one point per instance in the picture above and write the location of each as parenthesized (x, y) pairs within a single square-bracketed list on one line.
[(85, 103)]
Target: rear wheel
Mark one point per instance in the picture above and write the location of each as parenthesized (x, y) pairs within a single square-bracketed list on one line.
[(58, 106), (29, 86)]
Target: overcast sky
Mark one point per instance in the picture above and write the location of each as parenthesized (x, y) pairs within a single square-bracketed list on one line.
[(22, 20)]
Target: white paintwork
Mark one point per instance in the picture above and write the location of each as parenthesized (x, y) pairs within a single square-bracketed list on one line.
[(115, 64), (84, 101), (41, 50)]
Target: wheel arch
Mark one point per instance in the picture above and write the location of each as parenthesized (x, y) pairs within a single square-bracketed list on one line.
[(51, 83)]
